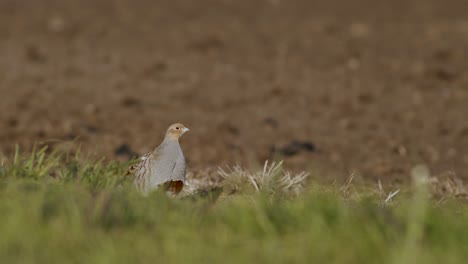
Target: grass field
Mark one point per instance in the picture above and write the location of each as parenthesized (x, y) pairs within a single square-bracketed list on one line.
[(59, 208)]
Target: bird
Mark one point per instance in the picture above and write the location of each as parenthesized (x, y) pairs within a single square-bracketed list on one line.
[(165, 165)]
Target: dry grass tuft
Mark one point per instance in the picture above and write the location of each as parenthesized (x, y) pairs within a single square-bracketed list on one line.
[(273, 179), (448, 186)]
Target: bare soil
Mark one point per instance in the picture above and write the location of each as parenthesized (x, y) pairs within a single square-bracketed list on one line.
[(371, 87)]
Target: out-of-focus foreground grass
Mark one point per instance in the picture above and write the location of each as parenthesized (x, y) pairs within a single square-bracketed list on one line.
[(63, 209)]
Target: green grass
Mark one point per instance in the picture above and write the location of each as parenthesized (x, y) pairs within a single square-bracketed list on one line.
[(57, 208)]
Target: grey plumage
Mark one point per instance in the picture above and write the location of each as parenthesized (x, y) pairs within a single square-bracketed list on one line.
[(165, 165)]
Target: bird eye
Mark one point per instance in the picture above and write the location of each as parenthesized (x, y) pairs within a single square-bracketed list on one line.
[(177, 128)]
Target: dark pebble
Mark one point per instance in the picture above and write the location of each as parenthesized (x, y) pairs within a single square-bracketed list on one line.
[(294, 147), (271, 122), (12, 122), (34, 54), (91, 128), (125, 150), (308, 146), (130, 102)]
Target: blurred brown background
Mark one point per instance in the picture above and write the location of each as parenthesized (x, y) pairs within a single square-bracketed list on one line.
[(376, 86)]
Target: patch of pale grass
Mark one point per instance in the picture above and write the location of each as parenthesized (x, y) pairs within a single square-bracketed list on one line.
[(448, 186), (272, 179)]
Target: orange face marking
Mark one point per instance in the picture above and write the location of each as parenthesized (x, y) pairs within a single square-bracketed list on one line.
[(175, 131)]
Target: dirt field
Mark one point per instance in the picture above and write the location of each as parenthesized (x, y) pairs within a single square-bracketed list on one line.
[(375, 86)]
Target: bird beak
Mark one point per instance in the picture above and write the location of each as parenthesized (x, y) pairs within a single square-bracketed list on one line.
[(185, 129)]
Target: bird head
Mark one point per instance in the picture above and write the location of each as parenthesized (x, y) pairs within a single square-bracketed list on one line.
[(176, 130)]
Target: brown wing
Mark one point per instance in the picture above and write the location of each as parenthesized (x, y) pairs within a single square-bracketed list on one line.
[(139, 171), (137, 166)]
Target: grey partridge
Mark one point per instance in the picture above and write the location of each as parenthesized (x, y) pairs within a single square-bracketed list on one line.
[(164, 166)]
